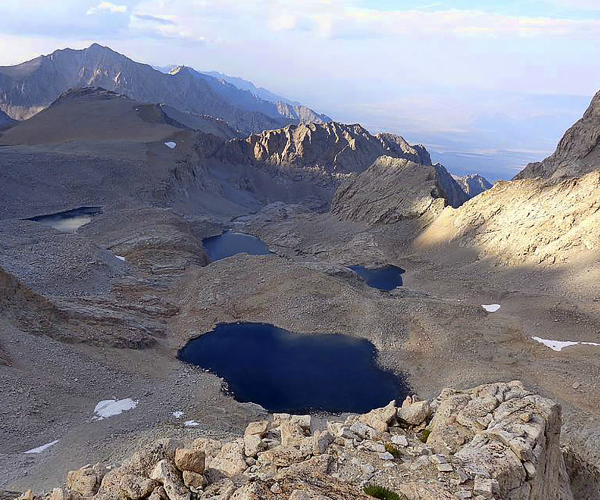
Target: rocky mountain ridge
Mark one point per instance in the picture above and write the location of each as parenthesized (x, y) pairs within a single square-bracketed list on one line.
[(526, 221), (578, 152), (250, 102), (259, 92), (394, 189), (336, 147), (473, 184), (29, 87), (502, 444)]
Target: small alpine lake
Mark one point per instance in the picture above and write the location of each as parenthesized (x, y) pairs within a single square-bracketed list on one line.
[(229, 243), (295, 373), (68, 221), (384, 278)]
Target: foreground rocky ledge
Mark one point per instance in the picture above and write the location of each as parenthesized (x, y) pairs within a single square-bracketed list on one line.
[(494, 441)]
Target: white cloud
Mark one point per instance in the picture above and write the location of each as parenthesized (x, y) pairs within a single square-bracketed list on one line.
[(576, 4), (341, 19), (107, 7)]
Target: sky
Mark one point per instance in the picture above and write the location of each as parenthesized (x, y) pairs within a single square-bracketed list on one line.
[(486, 85)]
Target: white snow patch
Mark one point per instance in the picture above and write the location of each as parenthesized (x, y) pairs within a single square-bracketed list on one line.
[(120, 257), (171, 145), (178, 414), (491, 308), (112, 407), (191, 423), (559, 345), (44, 447)]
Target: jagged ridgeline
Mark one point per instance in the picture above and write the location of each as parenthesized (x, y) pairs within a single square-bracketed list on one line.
[(28, 88)]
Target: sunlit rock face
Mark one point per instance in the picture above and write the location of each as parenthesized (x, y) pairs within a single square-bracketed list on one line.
[(394, 189)]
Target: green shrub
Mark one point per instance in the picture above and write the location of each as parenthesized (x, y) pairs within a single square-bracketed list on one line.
[(392, 450), (424, 435), (382, 493)]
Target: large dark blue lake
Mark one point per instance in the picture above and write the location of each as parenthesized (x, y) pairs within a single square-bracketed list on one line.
[(69, 220), (384, 278), (296, 373), (229, 243)]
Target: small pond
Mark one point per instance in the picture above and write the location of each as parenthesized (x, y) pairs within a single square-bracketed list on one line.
[(229, 243), (384, 278), (70, 220), (296, 373)]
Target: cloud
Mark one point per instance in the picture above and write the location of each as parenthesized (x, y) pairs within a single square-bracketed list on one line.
[(107, 7), (344, 20), (154, 19), (591, 5)]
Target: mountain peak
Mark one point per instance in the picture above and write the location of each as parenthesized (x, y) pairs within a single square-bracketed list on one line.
[(181, 70), (577, 153)]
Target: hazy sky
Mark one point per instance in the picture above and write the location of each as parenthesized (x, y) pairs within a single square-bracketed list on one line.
[(488, 83)]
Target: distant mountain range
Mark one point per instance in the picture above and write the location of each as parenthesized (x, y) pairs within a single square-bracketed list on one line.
[(240, 83), (248, 101), (27, 88)]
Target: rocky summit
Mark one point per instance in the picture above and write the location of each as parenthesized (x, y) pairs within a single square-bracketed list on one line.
[(496, 441)]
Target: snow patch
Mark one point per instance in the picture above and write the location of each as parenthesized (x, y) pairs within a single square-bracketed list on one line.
[(112, 407), (44, 447), (491, 308), (171, 145), (120, 257), (178, 414), (191, 423), (559, 345)]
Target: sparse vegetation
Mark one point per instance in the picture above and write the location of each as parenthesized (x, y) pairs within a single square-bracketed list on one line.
[(382, 493), (392, 450), (424, 436)]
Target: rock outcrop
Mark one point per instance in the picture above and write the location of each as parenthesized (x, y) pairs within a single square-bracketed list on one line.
[(578, 152), (473, 184), (333, 147), (394, 189), (496, 441), (526, 221)]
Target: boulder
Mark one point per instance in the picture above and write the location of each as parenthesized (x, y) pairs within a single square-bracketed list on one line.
[(259, 428), (381, 418), (136, 487), (230, 460), (159, 493), (167, 474), (84, 481), (281, 456), (253, 444), (192, 460), (414, 414), (292, 434), (193, 480), (143, 462)]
